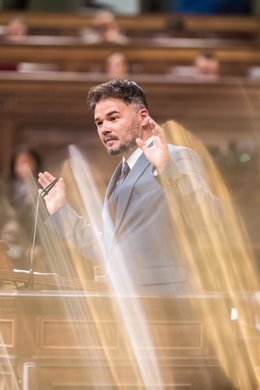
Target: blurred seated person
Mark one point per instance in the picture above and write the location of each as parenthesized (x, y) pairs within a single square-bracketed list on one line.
[(13, 234), (24, 166), (104, 29), (205, 67), (16, 29), (21, 192), (117, 65)]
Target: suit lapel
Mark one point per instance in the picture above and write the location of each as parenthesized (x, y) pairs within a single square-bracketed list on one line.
[(113, 180), (127, 188), (111, 186)]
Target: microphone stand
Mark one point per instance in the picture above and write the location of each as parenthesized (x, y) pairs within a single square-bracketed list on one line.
[(32, 244), (31, 249)]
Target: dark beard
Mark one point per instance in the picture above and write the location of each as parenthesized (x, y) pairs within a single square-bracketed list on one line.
[(131, 144)]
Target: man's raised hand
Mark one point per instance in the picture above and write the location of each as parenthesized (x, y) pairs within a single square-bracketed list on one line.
[(158, 155), (56, 197)]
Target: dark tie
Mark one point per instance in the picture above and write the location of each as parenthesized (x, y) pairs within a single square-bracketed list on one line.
[(114, 195)]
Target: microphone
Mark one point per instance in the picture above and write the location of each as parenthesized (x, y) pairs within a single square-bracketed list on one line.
[(47, 189)]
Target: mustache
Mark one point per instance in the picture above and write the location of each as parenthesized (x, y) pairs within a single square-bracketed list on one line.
[(110, 138)]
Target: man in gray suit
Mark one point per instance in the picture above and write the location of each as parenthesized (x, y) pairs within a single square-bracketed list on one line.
[(139, 228)]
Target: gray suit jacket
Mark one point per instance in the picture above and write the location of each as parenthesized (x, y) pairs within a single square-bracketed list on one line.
[(141, 249)]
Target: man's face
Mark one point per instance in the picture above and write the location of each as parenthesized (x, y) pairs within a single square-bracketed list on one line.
[(119, 125)]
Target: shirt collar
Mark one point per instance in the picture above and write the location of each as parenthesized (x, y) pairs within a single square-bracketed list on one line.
[(132, 159)]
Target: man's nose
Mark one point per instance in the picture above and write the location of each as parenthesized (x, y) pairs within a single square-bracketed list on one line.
[(105, 128)]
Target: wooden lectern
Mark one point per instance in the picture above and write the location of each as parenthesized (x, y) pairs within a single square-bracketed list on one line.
[(78, 339)]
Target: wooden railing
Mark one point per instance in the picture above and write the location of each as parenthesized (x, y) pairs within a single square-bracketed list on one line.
[(148, 56)]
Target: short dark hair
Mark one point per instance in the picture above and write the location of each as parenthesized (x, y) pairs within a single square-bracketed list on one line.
[(209, 55), (125, 90)]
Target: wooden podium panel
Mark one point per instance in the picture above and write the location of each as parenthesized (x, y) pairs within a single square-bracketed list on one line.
[(78, 340), (70, 340)]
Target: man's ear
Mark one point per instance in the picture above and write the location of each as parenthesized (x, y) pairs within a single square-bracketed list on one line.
[(144, 116)]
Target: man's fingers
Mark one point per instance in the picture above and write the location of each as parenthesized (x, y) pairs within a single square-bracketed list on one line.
[(61, 183), (45, 178), (41, 179), (156, 129), (49, 177), (152, 123)]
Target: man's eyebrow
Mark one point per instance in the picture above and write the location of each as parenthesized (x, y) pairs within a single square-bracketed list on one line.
[(107, 115)]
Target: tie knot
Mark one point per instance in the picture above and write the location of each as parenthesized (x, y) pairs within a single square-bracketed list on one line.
[(125, 168), (124, 172)]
